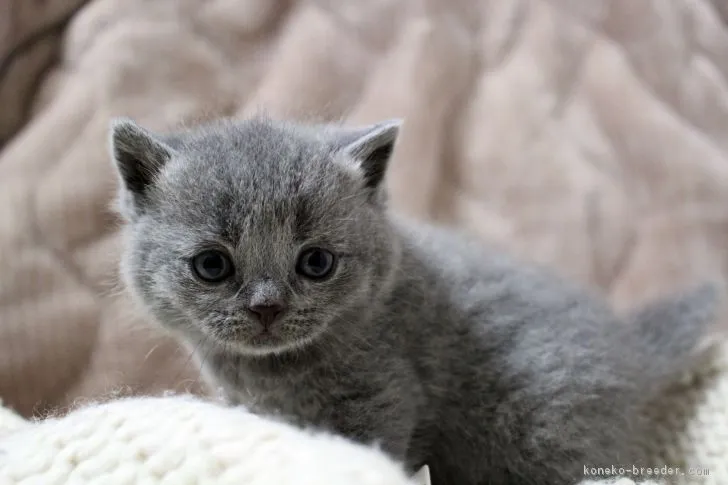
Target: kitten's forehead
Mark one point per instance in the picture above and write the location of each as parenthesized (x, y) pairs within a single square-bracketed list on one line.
[(252, 172), (251, 153)]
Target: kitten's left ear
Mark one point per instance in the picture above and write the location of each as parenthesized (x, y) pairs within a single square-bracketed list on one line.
[(370, 148)]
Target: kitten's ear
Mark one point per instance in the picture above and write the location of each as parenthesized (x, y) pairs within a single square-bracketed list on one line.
[(370, 148), (138, 155)]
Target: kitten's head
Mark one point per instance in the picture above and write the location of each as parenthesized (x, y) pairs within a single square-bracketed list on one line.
[(259, 236)]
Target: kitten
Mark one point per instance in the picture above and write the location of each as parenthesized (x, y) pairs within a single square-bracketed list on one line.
[(268, 247)]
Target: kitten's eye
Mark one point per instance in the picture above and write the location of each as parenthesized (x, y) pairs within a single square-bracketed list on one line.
[(212, 266), (315, 263)]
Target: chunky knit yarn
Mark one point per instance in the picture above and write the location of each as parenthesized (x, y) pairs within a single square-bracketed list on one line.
[(181, 441)]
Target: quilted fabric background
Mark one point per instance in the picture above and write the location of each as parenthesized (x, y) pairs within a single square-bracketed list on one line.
[(589, 136)]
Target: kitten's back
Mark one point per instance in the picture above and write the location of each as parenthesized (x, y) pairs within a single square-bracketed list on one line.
[(674, 330)]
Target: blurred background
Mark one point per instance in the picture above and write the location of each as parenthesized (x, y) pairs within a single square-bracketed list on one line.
[(588, 135)]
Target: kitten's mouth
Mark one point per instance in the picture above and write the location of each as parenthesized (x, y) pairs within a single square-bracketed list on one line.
[(263, 343), (249, 339), (241, 335), (265, 336)]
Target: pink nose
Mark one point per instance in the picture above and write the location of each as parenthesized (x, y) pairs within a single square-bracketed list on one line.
[(266, 314)]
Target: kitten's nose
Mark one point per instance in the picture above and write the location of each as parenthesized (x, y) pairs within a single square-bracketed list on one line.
[(267, 313)]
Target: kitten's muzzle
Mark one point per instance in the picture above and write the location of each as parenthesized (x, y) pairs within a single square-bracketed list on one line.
[(266, 314)]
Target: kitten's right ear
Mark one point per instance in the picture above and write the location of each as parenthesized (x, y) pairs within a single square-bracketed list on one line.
[(370, 148), (138, 156)]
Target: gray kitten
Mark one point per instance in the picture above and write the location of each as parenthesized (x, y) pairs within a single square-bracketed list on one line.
[(268, 247)]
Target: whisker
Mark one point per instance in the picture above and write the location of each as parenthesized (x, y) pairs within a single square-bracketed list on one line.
[(189, 357)]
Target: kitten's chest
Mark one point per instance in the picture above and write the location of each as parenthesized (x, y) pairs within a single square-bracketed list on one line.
[(306, 396)]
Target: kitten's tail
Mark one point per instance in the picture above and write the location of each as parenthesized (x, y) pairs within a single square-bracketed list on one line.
[(676, 332)]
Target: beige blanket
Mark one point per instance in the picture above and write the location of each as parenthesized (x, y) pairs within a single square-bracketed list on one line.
[(588, 135)]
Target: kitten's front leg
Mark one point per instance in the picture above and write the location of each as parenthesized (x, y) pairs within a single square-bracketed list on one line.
[(378, 421), (371, 420)]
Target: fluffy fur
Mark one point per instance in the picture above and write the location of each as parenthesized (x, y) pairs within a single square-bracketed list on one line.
[(443, 352)]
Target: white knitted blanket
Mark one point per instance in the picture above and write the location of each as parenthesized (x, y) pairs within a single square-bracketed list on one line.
[(182, 440)]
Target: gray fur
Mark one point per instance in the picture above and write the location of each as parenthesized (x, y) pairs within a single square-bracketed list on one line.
[(445, 353)]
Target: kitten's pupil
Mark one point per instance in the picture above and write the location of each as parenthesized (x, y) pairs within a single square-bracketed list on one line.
[(316, 263), (212, 266)]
